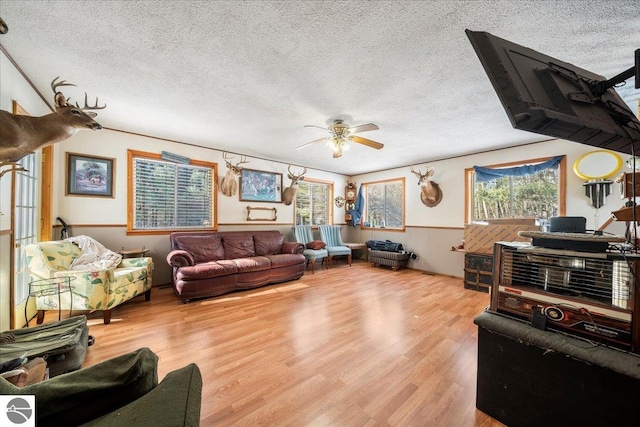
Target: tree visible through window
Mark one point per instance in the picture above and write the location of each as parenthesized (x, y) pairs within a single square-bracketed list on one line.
[(313, 203), (168, 196), (384, 204), (538, 195)]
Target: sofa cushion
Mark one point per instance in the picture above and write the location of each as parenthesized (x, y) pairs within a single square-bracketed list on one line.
[(268, 243), (256, 263), (206, 270), (285, 260), (238, 246), (203, 248)]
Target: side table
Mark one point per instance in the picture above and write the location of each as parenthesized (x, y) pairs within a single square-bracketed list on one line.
[(49, 287), (359, 247), (132, 253)]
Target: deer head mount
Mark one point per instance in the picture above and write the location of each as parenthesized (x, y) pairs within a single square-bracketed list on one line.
[(430, 194), (289, 193), (228, 184), (21, 135)]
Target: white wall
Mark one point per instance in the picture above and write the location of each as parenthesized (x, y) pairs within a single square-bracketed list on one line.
[(449, 174), (114, 144), (431, 232)]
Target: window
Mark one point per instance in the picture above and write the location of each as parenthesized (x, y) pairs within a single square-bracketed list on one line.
[(25, 221), (540, 194), (384, 204), (313, 203), (165, 196)]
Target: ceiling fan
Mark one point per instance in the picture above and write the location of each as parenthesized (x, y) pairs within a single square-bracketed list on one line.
[(340, 134)]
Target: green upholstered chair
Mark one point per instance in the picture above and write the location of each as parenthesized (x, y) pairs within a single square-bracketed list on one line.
[(331, 236), (122, 391), (101, 289), (303, 234)]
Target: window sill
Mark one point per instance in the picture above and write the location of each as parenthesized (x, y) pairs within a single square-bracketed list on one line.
[(382, 228)]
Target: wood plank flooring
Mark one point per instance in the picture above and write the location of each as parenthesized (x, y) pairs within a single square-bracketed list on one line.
[(350, 346)]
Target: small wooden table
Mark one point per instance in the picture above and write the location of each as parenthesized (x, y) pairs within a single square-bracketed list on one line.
[(133, 253), (359, 246)]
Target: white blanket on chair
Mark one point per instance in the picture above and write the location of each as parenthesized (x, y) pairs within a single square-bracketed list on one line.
[(94, 255)]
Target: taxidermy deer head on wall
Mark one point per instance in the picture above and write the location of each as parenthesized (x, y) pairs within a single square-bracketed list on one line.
[(289, 193), (21, 135), (430, 193), (228, 184)]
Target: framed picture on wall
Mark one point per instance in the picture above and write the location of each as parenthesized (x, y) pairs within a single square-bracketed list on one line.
[(89, 176), (260, 186)]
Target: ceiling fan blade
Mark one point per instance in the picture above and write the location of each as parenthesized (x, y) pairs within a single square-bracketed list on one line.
[(363, 128), (314, 126), (365, 141), (310, 143)]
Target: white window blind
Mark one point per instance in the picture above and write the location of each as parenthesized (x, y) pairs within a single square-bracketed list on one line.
[(312, 203), (171, 196)]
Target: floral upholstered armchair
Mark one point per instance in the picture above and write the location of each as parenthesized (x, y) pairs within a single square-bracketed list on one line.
[(92, 288)]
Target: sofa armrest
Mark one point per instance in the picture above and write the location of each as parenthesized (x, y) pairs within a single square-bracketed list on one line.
[(180, 258), (83, 395), (176, 401), (292, 248)]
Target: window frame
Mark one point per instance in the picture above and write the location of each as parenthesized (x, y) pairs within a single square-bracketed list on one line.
[(365, 186), (470, 179), (131, 155), (330, 185)]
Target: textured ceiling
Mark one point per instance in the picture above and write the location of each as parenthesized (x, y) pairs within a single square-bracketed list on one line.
[(247, 76)]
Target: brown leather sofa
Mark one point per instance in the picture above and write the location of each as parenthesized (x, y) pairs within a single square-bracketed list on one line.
[(210, 263)]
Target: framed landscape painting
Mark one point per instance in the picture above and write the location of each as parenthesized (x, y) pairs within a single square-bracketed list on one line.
[(89, 176), (260, 186)]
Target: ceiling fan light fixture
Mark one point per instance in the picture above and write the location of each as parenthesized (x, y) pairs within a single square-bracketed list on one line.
[(341, 137), (337, 144)]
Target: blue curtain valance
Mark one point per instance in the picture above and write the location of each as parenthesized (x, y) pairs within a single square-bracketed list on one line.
[(488, 174)]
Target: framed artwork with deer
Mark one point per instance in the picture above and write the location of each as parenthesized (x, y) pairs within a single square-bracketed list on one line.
[(260, 186), (90, 176)]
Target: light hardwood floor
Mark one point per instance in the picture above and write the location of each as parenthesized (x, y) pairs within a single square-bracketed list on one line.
[(350, 346)]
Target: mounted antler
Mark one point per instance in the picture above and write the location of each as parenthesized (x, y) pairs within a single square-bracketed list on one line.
[(289, 193), (228, 184), (430, 193), (22, 135)]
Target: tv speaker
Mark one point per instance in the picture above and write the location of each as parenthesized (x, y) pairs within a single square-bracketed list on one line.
[(568, 224)]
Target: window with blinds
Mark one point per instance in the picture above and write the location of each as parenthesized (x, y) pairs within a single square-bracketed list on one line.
[(313, 203), (171, 196)]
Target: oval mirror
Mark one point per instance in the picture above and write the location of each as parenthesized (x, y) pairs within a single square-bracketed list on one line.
[(599, 164)]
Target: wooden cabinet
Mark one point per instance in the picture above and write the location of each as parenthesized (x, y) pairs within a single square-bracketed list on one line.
[(478, 272)]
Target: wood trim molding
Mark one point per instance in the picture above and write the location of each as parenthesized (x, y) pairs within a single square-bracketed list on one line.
[(46, 193)]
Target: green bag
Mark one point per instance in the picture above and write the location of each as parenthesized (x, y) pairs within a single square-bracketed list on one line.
[(62, 344)]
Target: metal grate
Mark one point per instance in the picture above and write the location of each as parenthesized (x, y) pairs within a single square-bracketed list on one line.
[(595, 279)]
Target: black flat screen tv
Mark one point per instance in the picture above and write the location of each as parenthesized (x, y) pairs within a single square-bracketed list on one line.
[(544, 95)]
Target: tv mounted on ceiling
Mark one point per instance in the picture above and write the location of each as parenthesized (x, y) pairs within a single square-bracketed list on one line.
[(544, 95)]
